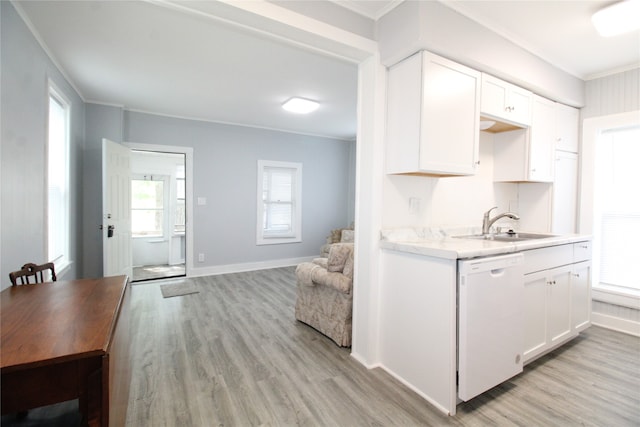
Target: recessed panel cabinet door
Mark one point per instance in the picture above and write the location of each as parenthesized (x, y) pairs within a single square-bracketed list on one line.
[(559, 307), (535, 314), (432, 117), (581, 296), (450, 120)]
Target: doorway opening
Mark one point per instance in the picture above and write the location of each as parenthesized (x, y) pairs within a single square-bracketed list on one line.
[(158, 215)]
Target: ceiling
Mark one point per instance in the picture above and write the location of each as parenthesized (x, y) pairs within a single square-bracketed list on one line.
[(146, 57)]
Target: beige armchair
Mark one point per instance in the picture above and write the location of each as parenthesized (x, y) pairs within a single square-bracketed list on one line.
[(324, 293)]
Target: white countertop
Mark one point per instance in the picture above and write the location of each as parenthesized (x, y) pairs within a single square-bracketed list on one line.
[(440, 243)]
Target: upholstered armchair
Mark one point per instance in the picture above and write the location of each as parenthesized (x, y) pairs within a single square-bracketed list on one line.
[(325, 293)]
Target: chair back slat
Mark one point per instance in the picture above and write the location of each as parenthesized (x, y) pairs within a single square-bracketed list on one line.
[(30, 270)]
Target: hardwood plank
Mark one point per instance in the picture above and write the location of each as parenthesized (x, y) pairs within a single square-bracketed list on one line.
[(234, 355)]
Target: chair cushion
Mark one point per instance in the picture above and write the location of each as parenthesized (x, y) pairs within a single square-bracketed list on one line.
[(338, 255)]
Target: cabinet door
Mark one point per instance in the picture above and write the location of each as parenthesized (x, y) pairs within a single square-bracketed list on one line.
[(432, 117), (535, 314), (559, 304), (565, 193), (567, 124), (450, 117), (502, 100), (520, 105), (494, 96), (581, 296), (404, 96), (542, 140)]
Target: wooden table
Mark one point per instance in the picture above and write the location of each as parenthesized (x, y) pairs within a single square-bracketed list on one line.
[(66, 340)]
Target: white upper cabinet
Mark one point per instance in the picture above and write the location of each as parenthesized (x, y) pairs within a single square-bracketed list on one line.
[(543, 140), (528, 155), (567, 123), (505, 101), (432, 117)]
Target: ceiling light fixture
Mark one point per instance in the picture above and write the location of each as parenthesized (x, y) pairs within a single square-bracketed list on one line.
[(619, 18), (300, 105)]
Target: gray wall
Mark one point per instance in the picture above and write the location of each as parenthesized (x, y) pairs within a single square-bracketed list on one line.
[(23, 105), (101, 122), (224, 172)]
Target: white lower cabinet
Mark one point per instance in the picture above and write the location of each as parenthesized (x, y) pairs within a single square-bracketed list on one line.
[(557, 297), (581, 296)]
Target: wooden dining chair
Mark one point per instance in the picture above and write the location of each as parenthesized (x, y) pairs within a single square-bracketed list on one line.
[(30, 270)]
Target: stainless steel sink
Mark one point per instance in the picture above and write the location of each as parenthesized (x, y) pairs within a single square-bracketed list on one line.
[(506, 237)]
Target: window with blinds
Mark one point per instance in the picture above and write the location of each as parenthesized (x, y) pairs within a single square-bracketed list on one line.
[(279, 202), (618, 206)]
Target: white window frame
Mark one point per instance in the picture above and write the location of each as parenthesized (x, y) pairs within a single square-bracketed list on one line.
[(264, 237), (167, 216), (592, 128), (62, 260)]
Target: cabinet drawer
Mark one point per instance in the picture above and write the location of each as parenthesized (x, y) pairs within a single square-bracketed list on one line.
[(581, 251), (547, 258)]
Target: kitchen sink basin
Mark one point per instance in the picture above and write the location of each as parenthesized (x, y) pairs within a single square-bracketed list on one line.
[(506, 237)]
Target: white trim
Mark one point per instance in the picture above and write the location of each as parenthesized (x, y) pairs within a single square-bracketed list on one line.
[(272, 238), (615, 323), (188, 152), (248, 266), (615, 295), (53, 91)]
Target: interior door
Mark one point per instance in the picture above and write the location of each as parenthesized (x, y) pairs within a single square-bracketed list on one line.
[(116, 209)]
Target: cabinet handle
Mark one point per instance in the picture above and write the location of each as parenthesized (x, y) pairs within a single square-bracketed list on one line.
[(584, 246), (478, 162), (577, 274)]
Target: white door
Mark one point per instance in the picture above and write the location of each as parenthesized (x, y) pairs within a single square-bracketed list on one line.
[(116, 209)]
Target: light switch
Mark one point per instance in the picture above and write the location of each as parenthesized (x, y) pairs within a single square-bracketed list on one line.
[(202, 201)]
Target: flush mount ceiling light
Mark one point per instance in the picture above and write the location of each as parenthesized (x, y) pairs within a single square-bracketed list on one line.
[(300, 105), (619, 18)]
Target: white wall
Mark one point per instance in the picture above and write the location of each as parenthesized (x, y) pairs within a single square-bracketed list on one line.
[(24, 103), (449, 201), (430, 25)]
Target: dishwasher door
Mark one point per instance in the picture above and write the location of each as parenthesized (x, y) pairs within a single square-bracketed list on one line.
[(490, 322)]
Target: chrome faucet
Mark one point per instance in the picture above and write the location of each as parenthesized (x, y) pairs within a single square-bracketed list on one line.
[(488, 222)]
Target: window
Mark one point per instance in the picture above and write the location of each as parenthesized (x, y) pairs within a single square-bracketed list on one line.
[(147, 207), (58, 180), (279, 202), (179, 221), (617, 213)]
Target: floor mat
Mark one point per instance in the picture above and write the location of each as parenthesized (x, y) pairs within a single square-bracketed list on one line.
[(178, 289)]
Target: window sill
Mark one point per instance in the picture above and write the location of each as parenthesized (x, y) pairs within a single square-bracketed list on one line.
[(62, 269), (616, 295), (277, 240)]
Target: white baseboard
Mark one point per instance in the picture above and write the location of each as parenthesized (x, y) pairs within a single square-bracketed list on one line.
[(249, 266), (615, 323)]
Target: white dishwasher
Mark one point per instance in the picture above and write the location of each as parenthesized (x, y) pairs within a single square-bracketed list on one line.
[(490, 322)]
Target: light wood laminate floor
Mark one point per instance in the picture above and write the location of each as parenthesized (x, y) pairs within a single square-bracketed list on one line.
[(233, 355)]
